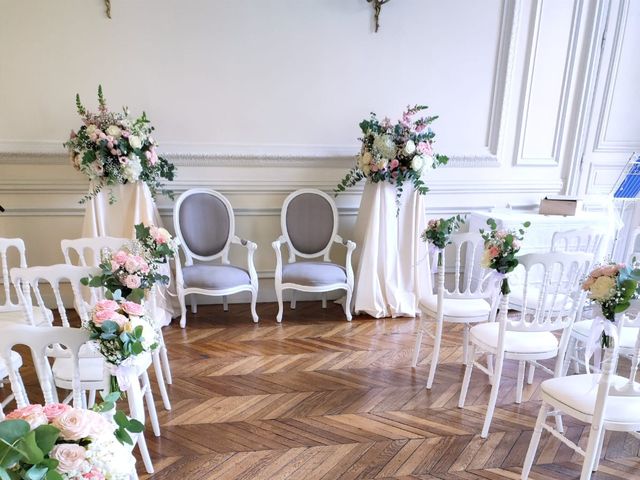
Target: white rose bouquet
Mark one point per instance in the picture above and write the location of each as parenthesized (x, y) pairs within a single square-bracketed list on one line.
[(112, 148), (395, 153), (58, 442)]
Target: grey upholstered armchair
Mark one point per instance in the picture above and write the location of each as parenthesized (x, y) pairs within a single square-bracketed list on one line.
[(204, 223), (309, 222)]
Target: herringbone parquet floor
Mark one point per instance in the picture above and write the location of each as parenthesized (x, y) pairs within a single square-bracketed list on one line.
[(320, 398)]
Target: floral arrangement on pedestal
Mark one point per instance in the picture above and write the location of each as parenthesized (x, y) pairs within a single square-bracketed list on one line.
[(612, 286), (395, 153), (438, 234), (113, 148), (500, 249), (59, 442)]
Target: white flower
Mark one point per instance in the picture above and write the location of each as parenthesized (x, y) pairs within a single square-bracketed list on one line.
[(91, 129), (410, 147), (382, 163), (603, 288), (366, 169), (132, 170), (135, 141), (114, 131), (385, 146), (418, 163), (110, 457), (364, 159), (148, 332)]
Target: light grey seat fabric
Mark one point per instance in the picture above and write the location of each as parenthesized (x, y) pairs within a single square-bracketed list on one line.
[(204, 224), (215, 277), (313, 273)]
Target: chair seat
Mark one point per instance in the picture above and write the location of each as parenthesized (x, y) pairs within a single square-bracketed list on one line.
[(516, 299), (457, 307), (91, 369), (628, 335), (514, 342), (215, 277), (579, 392), (16, 360), (313, 274), (19, 317)]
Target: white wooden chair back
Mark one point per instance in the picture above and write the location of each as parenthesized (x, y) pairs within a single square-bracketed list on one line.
[(551, 298), (586, 240), (309, 221), (38, 339), (465, 250), (205, 225), (633, 248), (88, 251), (55, 276), (9, 247)]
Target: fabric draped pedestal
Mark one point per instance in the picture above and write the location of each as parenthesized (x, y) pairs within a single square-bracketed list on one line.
[(133, 204), (393, 270)]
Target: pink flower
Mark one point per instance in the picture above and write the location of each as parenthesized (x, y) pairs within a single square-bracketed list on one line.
[(121, 257), (133, 308), (125, 134), (424, 148), (120, 320), (74, 424), (107, 305), (420, 127), (123, 160), (32, 414), (132, 281), (71, 457), (94, 474), (394, 164), (101, 316), (144, 268), (494, 251), (134, 263), (160, 235), (54, 410)]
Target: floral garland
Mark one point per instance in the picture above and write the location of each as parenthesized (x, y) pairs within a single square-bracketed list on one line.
[(395, 153), (113, 148)]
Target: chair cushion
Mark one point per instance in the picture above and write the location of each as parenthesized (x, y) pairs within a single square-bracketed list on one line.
[(91, 369), (16, 360), (18, 316), (457, 307), (515, 342), (579, 392), (214, 277), (313, 274), (628, 335)]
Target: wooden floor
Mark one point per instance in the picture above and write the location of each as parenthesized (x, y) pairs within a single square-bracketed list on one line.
[(320, 398)]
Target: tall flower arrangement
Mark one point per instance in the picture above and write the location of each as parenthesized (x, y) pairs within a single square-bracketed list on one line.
[(396, 153), (500, 250), (114, 148), (612, 286)]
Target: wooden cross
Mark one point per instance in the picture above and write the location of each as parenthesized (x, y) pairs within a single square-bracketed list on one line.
[(377, 7)]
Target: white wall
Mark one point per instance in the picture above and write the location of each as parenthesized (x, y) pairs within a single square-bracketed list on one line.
[(257, 98)]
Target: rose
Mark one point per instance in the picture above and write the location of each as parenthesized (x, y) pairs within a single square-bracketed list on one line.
[(132, 308), (160, 235), (132, 264), (54, 410), (135, 141), (410, 147), (394, 164), (74, 424), (70, 456), (93, 474), (120, 257), (493, 251), (602, 288), (132, 281), (114, 131), (32, 414), (101, 316), (424, 148), (91, 129), (417, 163), (107, 305)]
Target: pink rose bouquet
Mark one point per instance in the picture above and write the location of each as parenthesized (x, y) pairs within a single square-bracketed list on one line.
[(157, 242), (112, 148), (500, 249), (58, 442)]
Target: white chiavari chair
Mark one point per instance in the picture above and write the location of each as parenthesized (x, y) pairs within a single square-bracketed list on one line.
[(88, 251), (606, 401), (554, 280), (469, 301)]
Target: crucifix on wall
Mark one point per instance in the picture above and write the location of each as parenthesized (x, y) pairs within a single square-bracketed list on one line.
[(377, 8)]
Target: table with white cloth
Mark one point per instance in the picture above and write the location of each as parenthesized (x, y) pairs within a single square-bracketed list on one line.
[(392, 265), (133, 204)]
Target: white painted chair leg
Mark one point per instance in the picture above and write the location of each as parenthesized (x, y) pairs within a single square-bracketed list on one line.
[(194, 304), (324, 300), (418, 344), (465, 343), (151, 406), (166, 367), (435, 355), (590, 460), (535, 440), (157, 367), (144, 453), (467, 376), (494, 395), (347, 306), (254, 301), (280, 304), (490, 367), (520, 385), (183, 310), (225, 303), (532, 373), (293, 299), (596, 463)]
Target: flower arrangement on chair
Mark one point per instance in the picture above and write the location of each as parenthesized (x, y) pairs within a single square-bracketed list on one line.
[(500, 250), (395, 153), (114, 148), (59, 442), (612, 286), (438, 233)]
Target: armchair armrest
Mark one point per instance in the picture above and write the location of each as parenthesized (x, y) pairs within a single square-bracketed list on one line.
[(351, 246), (277, 244), (251, 248)]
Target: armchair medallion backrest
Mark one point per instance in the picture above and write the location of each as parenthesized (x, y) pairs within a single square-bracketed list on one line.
[(204, 222), (309, 223)]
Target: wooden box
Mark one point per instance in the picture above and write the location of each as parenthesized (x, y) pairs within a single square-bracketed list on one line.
[(567, 206)]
